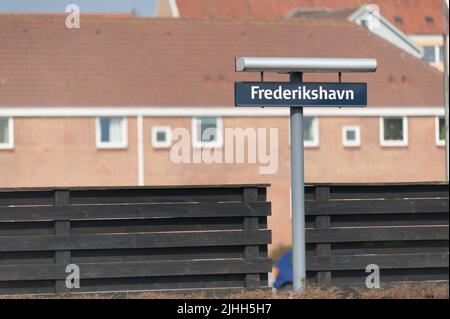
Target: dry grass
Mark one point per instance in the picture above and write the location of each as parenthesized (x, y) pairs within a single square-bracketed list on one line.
[(312, 292), (406, 291), (398, 291)]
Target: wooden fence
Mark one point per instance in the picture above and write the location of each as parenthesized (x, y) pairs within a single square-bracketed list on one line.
[(134, 238), (403, 228), (215, 237)]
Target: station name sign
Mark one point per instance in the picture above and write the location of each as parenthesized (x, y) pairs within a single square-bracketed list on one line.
[(285, 94)]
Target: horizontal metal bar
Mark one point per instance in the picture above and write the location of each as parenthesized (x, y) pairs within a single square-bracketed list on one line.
[(288, 64)]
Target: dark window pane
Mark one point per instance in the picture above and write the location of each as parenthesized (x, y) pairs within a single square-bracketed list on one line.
[(308, 129), (4, 130), (365, 24), (351, 135), (105, 123), (398, 19), (111, 130), (161, 136), (442, 129), (429, 55), (208, 129), (393, 129)]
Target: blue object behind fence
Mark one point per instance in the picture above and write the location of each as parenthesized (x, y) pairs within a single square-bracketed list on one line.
[(284, 272)]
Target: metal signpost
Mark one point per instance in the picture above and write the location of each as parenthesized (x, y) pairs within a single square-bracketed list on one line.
[(446, 106), (296, 94)]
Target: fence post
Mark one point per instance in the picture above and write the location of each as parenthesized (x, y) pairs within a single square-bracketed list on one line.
[(62, 227), (250, 195), (322, 193)]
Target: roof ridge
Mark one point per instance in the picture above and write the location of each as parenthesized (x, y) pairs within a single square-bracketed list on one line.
[(111, 16)]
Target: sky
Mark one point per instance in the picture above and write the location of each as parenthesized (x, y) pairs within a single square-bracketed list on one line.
[(141, 7)]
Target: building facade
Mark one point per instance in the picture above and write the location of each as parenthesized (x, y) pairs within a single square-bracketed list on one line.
[(105, 104)]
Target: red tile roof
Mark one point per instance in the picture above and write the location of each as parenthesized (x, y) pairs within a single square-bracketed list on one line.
[(412, 12), (181, 62)]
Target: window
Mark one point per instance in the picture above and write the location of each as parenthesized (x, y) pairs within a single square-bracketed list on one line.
[(440, 131), (112, 132), (393, 131), (429, 19), (310, 131), (429, 54), (6, 133), (433, 54), (398, 19), (207, 132), (161, 136), (351, 136), (365, 23)]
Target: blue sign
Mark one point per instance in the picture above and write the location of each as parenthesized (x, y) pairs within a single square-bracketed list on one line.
[(287, 94)]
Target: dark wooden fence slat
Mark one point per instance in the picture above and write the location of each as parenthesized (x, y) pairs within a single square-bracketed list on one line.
[(156, 254), (390, 247), (357, 277), (79, 227), (339, 235), (137, 240), (214, 193), (324, 263), (389, 191), (163, 283), (373, 220), (10, 197), (139, 269), (130, 211), (395, 206)]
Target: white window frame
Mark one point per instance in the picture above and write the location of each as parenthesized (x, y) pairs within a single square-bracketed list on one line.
[(439, 142), (196, 143), (315, 142), (402, 143), (10, 144), (112, 145), (357, 141), (158, 144), (437, 53), (437, 60)]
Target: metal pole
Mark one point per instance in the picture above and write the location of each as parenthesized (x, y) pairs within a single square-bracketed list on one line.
[(297, 194), (445, 38)]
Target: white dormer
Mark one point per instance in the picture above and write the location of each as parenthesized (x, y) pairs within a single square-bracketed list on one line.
[(368, 16)]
